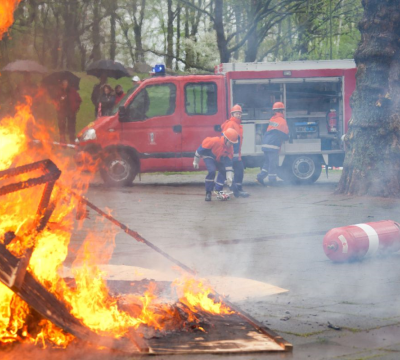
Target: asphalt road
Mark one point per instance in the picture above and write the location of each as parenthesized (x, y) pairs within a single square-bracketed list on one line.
[(273, 237)]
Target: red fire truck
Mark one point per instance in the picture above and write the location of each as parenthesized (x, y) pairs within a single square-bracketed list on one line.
[(159, 125)]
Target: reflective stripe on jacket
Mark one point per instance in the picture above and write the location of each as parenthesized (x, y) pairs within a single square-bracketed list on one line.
[(276, 133), (278, 122)]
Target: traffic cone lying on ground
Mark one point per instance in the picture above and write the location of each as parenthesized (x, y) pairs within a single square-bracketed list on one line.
[(355, 242)]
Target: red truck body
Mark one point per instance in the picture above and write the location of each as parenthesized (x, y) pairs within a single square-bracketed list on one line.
[(164, 120)]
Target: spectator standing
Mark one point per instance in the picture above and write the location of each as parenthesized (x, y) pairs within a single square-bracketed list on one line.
[(96, 93), (106, 101), (68, 102), (119, 94)]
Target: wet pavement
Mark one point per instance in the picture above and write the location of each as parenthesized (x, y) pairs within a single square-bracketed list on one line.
[(331, 311)]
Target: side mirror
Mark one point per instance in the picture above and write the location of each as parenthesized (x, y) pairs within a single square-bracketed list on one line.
[(122, 114)]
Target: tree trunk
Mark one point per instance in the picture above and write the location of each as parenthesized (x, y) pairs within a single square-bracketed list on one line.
[(170, 35), (219, 28), (238, 12), (188, 50), (96, 52), (372, 164), (113, 23), (178, 36), (253, 39), (55, 37), (137, 30), (71, 33)]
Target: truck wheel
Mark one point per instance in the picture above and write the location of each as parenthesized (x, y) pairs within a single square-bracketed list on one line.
[(118, 168), (302, 169)]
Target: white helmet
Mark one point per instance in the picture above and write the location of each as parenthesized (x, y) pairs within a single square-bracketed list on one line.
[(136, 78)]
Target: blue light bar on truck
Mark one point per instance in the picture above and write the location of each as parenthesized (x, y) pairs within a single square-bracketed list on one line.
[(159, 70)]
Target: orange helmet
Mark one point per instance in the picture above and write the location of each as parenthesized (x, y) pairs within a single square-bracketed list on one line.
[(231, 135), (278, 106), (236, 108)]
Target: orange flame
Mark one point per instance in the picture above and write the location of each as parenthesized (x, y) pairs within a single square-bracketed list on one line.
[(90, 300), (197, 295), (7, 8)]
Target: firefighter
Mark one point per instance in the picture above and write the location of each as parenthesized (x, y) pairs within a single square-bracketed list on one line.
[(217, 154), (235, 123), (275, 135)]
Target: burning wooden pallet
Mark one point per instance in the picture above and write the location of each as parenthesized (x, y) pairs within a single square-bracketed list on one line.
[(231, 333)]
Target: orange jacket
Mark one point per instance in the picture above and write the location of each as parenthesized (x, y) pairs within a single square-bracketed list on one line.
[(234, 123), (278, 122), (217, 147)]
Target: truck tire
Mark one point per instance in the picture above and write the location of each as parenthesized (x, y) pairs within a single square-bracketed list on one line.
[(118, 168), (301, 169)]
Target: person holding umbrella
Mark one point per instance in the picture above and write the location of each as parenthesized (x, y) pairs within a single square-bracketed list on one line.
[(27, 86), (68, 103), (106, 101), (119, 94), (97, 91), (104, 69)]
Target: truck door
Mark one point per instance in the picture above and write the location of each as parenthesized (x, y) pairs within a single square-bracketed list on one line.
[(153, 126), (203, 113)]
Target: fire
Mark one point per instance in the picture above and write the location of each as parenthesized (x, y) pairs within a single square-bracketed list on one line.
[(24, 140), (88, 299), (7, 8), (197, 295)]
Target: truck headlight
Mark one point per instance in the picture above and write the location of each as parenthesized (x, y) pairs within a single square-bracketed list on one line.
[(89, 134)]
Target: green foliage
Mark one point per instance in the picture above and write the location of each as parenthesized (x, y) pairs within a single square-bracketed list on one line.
[(68, 34)]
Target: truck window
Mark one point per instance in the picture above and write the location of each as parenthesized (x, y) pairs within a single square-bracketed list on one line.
[(201, 98), (152, 101), (123, 100), (257, 99)]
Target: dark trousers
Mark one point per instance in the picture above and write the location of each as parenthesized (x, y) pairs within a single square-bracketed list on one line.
[(270, 166), (238, 169), (212, 167), (67, 123)]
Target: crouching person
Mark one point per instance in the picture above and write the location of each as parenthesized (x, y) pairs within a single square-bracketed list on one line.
[(217, 153)]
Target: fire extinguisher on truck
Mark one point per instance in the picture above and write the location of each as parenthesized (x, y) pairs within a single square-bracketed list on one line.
[(331, 122)]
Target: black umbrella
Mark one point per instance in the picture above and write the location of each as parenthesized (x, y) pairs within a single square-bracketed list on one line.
[(56, 78), (25, 66), (109, 68)]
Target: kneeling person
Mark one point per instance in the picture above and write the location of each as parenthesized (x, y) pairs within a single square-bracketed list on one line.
[(217, 153)]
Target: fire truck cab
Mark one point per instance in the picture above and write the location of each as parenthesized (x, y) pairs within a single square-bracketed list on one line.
[(159, 125)]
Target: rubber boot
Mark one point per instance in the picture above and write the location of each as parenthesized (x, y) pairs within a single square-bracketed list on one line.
[(208, 196), (243, 194), (260, 181), (236, 192)]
